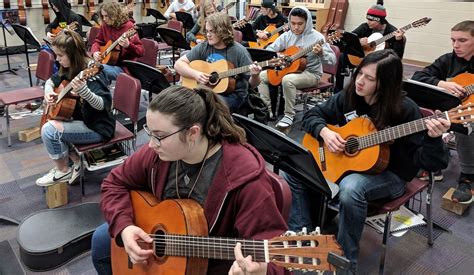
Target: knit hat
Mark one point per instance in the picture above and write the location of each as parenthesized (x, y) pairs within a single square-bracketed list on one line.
[(269, 4), (377, 12)]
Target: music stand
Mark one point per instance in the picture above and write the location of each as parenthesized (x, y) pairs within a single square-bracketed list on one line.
[(247, 33), (174, 39), (350, 44), (186, 18), (151, 79), (7, 17), (434, 98), (28, 38), (84, 21), (261, 54), (157, 14)]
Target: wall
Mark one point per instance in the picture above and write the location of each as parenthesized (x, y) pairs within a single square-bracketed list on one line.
[(426, 43)]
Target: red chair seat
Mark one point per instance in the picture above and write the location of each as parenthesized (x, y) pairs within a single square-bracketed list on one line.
[(21, 95), (411, 189), (121, 134), (323, 85)]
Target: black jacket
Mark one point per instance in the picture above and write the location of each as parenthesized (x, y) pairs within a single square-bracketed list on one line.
[(65, 14), (397, 45), (445, 67)]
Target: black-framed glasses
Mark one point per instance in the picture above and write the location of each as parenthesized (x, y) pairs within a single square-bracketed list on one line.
[(156, 139)]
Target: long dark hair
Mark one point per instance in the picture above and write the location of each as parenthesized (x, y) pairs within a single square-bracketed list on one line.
[(388, 91), (71, 43), (202, 106)]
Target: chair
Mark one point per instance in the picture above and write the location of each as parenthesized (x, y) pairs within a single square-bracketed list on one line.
[(175, 25), (126, 99), (44, 70), (323, 85), (151, 52), (237, 36), (93, 32), (282, 194)]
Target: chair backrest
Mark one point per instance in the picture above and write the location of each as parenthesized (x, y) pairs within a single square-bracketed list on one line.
[(332, 69), (237, 36), (151, 52), (175, 25), (44, 70), (127, 96), (93, 32), (282, 194)]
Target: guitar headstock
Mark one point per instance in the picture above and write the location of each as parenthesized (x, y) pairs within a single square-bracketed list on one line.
[(73, 26), (462, 114), (92, 69), (228, 6), (129, 33), (239, 24), (334, 37), (421, 22), (301, 251)]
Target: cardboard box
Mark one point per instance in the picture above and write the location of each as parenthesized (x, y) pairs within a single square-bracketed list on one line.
[(448, 204), (56, 195)]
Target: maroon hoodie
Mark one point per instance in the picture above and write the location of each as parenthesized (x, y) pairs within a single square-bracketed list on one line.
[(240, 201)]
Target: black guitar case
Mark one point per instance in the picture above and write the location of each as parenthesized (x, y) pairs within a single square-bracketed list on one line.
[(52, 237)]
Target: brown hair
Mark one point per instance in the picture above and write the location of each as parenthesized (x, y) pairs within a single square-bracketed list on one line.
[(71, 43), (222, 26), (115, 12), (464, 26), (205, 5), (200, 105)]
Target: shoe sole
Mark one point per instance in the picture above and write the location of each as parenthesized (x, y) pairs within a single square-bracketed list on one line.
[(462, 202)]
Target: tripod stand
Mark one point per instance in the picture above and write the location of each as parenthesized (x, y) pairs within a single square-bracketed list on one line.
[(9, 70)]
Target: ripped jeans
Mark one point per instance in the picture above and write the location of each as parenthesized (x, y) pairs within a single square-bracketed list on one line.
[(58, 144)]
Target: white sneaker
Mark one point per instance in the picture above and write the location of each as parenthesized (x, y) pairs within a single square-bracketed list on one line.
[(76, 172), (54, 176)]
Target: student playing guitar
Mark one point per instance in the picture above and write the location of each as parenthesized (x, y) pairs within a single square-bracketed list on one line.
[(115, 22), (207, 8), (64, 17), (374, 91), (220, 45), (270, 15), (302, 35)]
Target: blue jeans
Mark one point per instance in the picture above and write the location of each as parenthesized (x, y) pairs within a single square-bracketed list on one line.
[(100, 248), (111, 72), (356, 190), (59, 143)]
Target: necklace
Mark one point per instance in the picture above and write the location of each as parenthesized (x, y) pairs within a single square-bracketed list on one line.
[(187, 179)]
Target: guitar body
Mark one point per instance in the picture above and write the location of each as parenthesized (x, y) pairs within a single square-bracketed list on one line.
[(334, 166), (261, 44), (183, 217), (63, 110), (217, 85), (113, 57), (467, 81), (297, 66), (370, 47), (198, 36)]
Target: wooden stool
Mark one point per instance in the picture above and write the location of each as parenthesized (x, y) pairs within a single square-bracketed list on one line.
[(56, 195)]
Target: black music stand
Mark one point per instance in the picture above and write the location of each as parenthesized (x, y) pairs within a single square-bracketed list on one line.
[(151, 79), (186, 18), (28, 38), (434, 98), (261, 54), (350, 44), (84, 21), (9, 70), (174, 39), (157, 14), (247, 33), (8, 17)]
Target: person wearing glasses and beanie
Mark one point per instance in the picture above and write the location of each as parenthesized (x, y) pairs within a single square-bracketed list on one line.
[(197, 152)]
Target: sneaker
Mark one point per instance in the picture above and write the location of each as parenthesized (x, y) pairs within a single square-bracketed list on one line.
[(463, 194), (425, 175), (76, 172), (54, 176), (285, 122)]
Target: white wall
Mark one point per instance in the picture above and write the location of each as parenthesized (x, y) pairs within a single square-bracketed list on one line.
[(426, 43)]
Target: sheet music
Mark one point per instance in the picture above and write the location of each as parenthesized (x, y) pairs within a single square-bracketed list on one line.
[(427, 85), (402, 220)]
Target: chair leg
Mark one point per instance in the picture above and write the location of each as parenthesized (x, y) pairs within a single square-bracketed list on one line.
[(429, 209), (7, 116), (81, 175), (386, 235)]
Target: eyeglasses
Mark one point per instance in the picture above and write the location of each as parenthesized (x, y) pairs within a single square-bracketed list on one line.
[(156, 139)]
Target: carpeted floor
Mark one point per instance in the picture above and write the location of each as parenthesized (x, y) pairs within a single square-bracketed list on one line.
[(22, 163)]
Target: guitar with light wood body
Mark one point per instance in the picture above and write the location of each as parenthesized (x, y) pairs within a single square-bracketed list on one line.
[(366, 149)]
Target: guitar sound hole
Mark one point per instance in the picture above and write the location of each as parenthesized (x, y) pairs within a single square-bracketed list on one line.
[(160, 245), (214, 78), (352, 146)]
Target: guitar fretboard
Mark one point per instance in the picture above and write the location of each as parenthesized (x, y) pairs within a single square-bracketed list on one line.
[(243, 69), (392, 34), (306, 50)]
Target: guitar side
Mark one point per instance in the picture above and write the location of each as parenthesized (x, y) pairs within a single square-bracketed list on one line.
[(275, 76), (334, 166), (178, 217)]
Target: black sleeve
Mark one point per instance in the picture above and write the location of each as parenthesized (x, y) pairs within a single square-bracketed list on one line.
[(361, 30), (327, 113), (258, 24), (397, 45), (435, 72), (78, 19)]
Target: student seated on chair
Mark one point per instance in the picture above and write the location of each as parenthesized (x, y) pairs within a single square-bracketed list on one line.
[(447, 66), (376, 23), (179, 5), (92, 119), (196, 152), (115, 22), (64, 17), (207, 8), (220, 45), (269, 15), (301, 34), (374, 91)]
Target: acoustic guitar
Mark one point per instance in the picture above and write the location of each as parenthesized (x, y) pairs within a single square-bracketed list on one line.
[(198, 36), (467, 81), (182, 246), (366, 149), (272, 33), (72, 27), (110, 52), (221, 73), (375, 42), (294, 61), (65, 104)]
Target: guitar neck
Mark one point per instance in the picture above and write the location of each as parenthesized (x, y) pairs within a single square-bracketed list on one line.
[(306, 50), (392, 34), (277, 30), (208, 247), (64, 92), (396, 132), (242, 69)]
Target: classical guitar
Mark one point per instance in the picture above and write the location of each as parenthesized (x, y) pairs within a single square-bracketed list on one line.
[(239, 24), (72, 27), (272, 33), (467, 81), (182, 246), (110, 52), (376, 41), (228, 7), (366, 149), (221, 72), (294, 61), (65, 103)]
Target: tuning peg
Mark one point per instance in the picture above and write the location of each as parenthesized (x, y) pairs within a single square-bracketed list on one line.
[(289, 233), (316, 232), (303, 232)]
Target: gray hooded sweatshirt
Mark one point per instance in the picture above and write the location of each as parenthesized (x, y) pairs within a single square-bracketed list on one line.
[(307, 38)]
